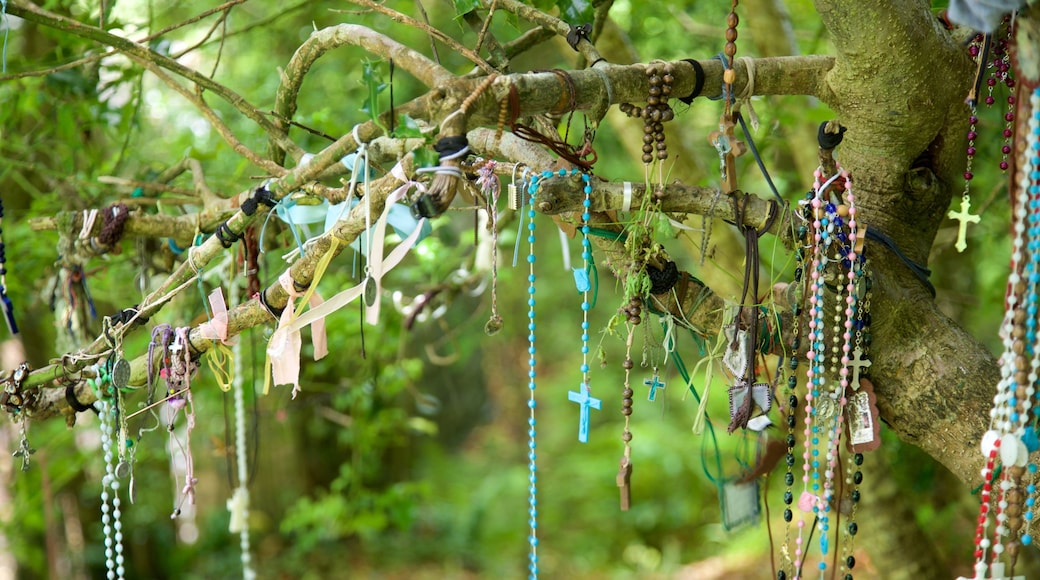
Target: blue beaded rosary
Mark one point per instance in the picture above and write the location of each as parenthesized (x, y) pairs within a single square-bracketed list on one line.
[(586, 400), (584, 397)]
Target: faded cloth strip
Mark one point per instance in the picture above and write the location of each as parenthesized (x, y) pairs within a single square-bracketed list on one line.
[(216, 328), (982, 15), (284, 347)]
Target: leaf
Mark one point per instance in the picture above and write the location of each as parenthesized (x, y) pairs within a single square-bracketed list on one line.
[(464, 6), (426, 157), (407, 127), (576, 12), (663, 228), (373, 80)]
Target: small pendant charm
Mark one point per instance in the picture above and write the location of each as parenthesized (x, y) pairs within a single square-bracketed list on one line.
[(121, 374), (371, 292), (826, 408), (123, 469), (654, 383), (494, 324), (24, 451), (740, 504), (862, 418), (624, 483)]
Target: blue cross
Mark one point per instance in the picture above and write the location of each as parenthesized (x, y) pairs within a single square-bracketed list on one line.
[(584, 400), (654, 384)]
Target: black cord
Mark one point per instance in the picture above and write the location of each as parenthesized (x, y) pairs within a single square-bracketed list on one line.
[(448, 146), (261, 196), (74, 403), (920, 271), (758, 158)]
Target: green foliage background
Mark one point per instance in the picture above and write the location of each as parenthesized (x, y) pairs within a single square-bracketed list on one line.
[(390, 465)]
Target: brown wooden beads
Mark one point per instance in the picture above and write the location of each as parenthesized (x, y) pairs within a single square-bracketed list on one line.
[(657, 111)]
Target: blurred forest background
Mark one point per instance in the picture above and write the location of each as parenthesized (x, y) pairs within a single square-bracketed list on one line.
[(411, 462)]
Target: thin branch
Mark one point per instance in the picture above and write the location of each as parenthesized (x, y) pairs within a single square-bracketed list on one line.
[(527, 41), (409, 21), (561, 28), (433, 41), (193, 19), (320, 42), (34, 13), (52, 401), (199, 102), (94, 57)]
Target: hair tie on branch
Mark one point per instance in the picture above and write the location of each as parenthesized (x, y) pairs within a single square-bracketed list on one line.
[(829, 139), (74, 403), (125, 315), (276, 313), (446, 175), (698, 83), (451, 147), (260, 196), (576, 33), (662, 279), (226, 235)]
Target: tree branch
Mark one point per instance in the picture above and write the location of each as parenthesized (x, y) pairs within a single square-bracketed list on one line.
[(52, 402), (321, 41), (34, 13)]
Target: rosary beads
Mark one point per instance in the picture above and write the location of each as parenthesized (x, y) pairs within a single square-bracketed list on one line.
[(110, 513), (1007, 445), (657, 110), (834, 237)]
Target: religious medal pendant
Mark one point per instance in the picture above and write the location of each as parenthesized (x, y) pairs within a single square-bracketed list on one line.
[(371, 292)]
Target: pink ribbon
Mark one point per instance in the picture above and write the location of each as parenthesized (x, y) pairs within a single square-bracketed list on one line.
[(286, 343), (284, 346), (377, 267), (217, 327)]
